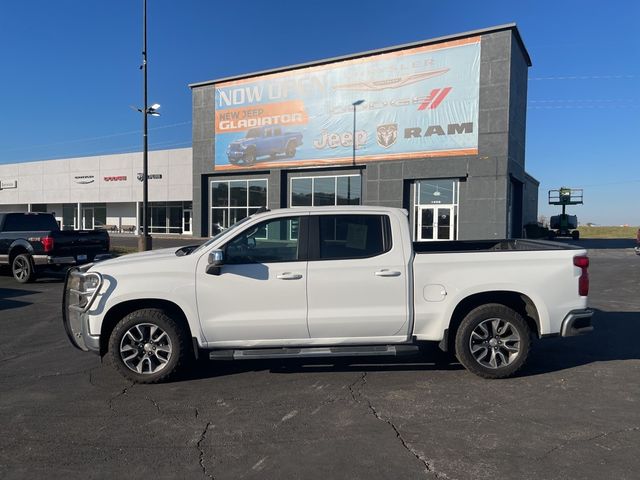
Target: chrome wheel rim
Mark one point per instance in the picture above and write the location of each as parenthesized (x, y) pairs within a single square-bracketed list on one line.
[(145, 348), (495, 343), (20, 268)]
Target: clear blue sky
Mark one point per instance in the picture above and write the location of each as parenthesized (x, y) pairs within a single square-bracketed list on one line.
[(70, 73)]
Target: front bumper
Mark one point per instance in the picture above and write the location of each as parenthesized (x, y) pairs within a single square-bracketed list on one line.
[(577, 322), (76, 302), (235, 154)]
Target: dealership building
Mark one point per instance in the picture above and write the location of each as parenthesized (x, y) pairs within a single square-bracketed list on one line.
[(104, 191), (436, 127), (439, 129)]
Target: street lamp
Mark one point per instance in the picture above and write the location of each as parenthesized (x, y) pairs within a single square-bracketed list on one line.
[(144, 240), (355, 104)]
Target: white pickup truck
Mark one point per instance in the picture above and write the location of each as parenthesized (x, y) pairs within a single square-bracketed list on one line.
[(326, 281)]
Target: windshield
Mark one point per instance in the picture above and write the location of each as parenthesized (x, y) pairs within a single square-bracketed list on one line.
[(215, 237)]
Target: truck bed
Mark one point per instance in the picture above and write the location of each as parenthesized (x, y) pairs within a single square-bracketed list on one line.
[(461, 246)]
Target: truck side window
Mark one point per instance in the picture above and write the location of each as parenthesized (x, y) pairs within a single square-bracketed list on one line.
[(277, 132), (267, 242), (353, 236), (29, 222)]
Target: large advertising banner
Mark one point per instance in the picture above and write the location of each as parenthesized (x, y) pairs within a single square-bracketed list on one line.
[(412, 103)]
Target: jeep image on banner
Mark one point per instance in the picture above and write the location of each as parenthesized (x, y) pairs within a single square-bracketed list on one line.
[(418, 102)]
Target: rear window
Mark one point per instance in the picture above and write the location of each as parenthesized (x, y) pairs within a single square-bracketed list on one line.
[(17, 222), (353, 236)]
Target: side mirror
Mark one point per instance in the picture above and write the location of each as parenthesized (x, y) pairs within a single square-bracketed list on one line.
[(216, 260)]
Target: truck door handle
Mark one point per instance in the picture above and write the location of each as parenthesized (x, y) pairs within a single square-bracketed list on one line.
[(387, 273), (289, 276)]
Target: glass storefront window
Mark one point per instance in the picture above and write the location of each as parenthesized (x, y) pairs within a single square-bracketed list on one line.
[(436, 192), (324, 191), (219, 194), (166, 217), (348, 190), (333, 190), (233, 200), (238, 196), (301, 189)]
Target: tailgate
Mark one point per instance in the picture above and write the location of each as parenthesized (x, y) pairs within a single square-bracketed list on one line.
[(81, 242)]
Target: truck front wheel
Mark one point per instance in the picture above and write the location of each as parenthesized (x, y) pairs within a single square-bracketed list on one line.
[(23, 269), (249, 157), (148, 346), (493, 341), (290, 151)]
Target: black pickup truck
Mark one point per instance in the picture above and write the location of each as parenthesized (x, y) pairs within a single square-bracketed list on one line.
[(30, 242)]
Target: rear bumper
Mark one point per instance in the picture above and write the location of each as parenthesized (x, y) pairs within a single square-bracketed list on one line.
[(52, 260), (577, 322), (49, 260)]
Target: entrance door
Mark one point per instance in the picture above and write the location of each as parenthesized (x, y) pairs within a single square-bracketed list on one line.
[(87, 218), (435, 223), (186, 221)]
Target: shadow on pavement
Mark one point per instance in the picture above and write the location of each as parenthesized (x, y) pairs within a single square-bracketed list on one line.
[(7, 294), (615, 337), (430, 359)]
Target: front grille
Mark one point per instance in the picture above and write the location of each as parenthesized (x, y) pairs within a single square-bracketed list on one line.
[(76, 301)]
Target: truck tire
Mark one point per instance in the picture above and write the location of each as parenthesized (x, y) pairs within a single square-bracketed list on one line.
[(575, 235), (148, 346), (23, 269), (249, 157), (493, 341), (290, 151)]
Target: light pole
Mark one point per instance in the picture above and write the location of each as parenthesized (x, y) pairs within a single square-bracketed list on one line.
[(144, 240), (355, 104)]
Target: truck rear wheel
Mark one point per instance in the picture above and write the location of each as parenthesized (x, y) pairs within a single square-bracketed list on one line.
[(23, 269), (493, 341), (148, 346)]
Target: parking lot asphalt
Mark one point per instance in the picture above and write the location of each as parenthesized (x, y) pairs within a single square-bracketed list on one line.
[(573, 412)]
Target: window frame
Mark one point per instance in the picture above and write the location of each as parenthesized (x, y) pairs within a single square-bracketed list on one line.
[(313, 187), (303, 239), (248, 207), (314, 236)]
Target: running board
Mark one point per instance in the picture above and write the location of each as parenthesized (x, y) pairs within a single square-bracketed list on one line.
[(310, 352)]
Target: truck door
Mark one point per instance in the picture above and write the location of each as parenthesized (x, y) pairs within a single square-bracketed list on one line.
[(357, 283), (261, 293)]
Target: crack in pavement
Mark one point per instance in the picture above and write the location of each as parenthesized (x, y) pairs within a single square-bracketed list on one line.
[(586, 440), (358, 396), (203, 435), (119, 394), (155, 404)]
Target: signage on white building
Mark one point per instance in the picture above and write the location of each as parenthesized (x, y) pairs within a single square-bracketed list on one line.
[(4, 184), (150, 176), (116, 178), (84, 179)]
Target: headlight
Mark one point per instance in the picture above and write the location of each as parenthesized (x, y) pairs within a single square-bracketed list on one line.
[(91, 282)]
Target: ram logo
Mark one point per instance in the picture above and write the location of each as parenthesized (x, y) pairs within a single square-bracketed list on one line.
[(387, 134)]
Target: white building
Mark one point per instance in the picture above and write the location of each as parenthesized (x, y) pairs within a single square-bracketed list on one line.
[(106, 190)]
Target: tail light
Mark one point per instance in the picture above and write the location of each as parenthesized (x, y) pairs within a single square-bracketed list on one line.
[(47, 243), (583, 282)]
